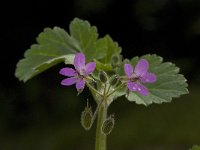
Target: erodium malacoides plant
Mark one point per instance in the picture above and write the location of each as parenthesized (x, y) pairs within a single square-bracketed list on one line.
[(96, 63)]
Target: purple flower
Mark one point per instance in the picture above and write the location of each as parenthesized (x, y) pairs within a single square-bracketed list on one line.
[(139, 75), (77, 76)]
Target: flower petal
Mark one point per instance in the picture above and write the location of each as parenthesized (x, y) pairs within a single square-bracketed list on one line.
[(89, 68), (80, 84), (141, 68), (68, 72), (148, 78), (134, 86), (69, 81), (142, 89), (128, 69), (79, 61)]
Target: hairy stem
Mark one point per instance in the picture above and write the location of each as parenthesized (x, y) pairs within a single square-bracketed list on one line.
[(100, 136), (93, 89)]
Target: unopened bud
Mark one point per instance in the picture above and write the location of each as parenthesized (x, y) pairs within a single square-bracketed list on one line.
[(114, 80), (93, 84), (86, 118), (108, 125), (103, 76)]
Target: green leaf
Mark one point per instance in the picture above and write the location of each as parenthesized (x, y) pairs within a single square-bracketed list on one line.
[(101, 66), (54, 46), (111, 50), (169, 83), (195, 147), (83, 32), (86, 35)]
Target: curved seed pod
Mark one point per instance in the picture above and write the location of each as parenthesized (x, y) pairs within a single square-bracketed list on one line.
[(86, 118), (103, 76), (108, 125)]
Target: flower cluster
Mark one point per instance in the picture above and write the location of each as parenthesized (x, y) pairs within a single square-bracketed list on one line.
[(135, 76)]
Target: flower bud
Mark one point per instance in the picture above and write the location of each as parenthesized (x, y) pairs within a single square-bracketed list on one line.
[(93, 84), (86, 118), (103, 76), (108, 125), (114, 80)]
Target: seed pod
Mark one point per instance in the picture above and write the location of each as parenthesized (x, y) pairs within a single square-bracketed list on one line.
[(108, 125), (86, 118), (103, 76), (114, 80)]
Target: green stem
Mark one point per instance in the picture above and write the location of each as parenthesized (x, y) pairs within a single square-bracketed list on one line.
[(108, 89), (97, 110), (104, 91), (119, 87), (93, 89), (101, 137)]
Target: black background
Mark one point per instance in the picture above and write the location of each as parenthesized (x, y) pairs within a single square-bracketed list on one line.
[(169, 28)]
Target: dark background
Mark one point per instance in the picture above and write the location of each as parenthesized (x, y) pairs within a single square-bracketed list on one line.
[(42, 115)]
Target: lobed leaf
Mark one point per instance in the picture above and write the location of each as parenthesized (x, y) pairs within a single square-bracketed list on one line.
[(169, 84), (56, 45)]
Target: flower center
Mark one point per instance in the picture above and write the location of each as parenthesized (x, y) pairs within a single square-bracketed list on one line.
[(79, 75), (134, 78), (82, 72)]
